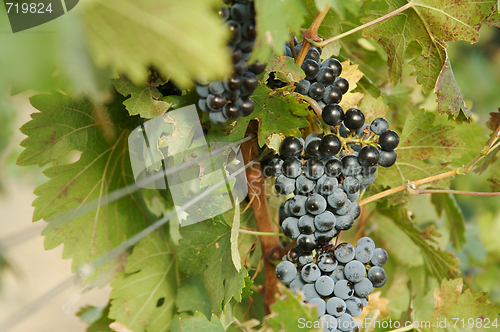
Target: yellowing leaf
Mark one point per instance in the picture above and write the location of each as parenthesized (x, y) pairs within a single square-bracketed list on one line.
[(352, 74)]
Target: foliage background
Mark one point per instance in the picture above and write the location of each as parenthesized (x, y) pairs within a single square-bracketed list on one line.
[(79, 52)]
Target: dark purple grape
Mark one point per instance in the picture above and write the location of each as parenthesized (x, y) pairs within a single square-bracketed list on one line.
[(332, 95), (291, 147), (314, 169), (330, 145), (249, 81), (257, 67), (368, 156), (215, 102), (342, 84), (232, 82), (333, 64), (292, 167), (310, 68), (387, 158), (302, 87), (313, 54), (326, 76), (231, 111), (245, 105), (312, 149), (379, 125), (234, 30), (354, 119), (388, 140), (333, 114), (248, 30), (333, 167), (241, 12), (317, 90)]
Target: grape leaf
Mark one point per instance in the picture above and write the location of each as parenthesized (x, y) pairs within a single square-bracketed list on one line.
[(456, 222), (205, 249), (285, 69), (274, 18), (183, 40), (198, 322), (352, 74), (288, 312), (494, 121), (142, 297), (279, 112), (145, 101), (374, 107), (430, 23), (96, 317), (193, 297), (64, 124), (451, 301), (438, 264), (421, 140)]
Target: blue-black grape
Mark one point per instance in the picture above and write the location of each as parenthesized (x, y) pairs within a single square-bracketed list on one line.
[(310, 273), (351, 185), (353, 306), (304, 185), (377, 276), (324, 221), (366, 240), (291, 147), (305, 259), (332, 95), (379, 125), (309, 292), (314, 169), (317, 90), (306, 224), (363, 288), (333, 114), (284, 185), (327, 262), (368, 156), (306, 242), (345, 323), (344, 222), (387, 158), (310, 68), (344, 289), (320, 305), (302, 87), (380, 257), (344, 252), (292, 167), (315, 205), (326, 185), (354, 119), (286, 271), (388, 140), (297, 284), (326, 76), (338, 273), (325, 237), (355, 271), (324, 285), (333, 167), (334, 65), (290, 228), (328, 323), (335, 306), (364, 253), (297, 205), (344, 208), (337, 199), (330, 145), (312, 148)]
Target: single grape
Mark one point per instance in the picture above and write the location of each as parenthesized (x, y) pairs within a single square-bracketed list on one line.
[(298, 205), (338, 273), (215, 102), (345, 322), (353, 306), (290, 147), (284, 185), (328, 323), (388, 140), (224, 13), (325, 237), (317, 90), (350, 185), (320, 305), (310, 273), (312, 149), (344, 252), (354, 119), (316, 204), (310, 68), (366, 240), (257, 67), (333, 114), (387, 158), (364, 301), (363, 288), (335, 306), (302, 87), (330, 145), (377, 276), (350, 165), (202, 90), (297, 284), (326, 76), (306, 242), (232, 82), (332, 95), (337, 199), (344, 208), (353, 197), (292, 167), (327, 262), (306, 224), (309, 292), (326, 185), (234, 31), (236, 56), (324, 221), (305, 259), (344, 289), (314, 169), (216, 88), (288, 52), (202, 104), (364, 253), (231, 111), (334, 65), (248, 30), (379, 125), (333, 167), (249, 81), (245, 105), (355, 271), (380, 257), (293, 255), (368, 156), (286, 271), (232, 95), (324, 285), (304, 185), (342, 84), (273, 168), (290, 228), (344, 222), (313, 54)]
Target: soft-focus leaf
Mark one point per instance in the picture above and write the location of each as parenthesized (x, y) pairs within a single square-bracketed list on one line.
[(64, 124), (451, 301), (198, 322), (144, 101), (193, 297), (279, 112), (456, 222), (352, 74), (183, 40), (205, 249), (438, 264), (430, 23), (143, 296), (374, 107), (96, 317), (274, 19)]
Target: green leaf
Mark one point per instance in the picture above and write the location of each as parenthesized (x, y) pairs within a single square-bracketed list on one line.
[(438, 264), (198, 322), (145, 101), (285, 69), (183, 40), (142, 297), (288, 312), (456, 222), (430, 23), (452, 302), (235, 232), (193, 297), (420, 141), (205, 249), (64, 124), (274, 20), (279, 112), (97, 317)]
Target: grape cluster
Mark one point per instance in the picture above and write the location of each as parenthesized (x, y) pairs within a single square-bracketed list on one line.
[(338, 280), (230, 98)]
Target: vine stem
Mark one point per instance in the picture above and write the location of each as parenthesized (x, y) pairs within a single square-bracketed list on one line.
[(455, 192), (361, 27), (270, 245), (311, 34), (412, 185), (244, 231)]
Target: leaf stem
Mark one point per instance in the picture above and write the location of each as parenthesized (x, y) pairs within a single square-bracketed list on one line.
[(455, 192), (311, 34), (261, 233), (361, 27)]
